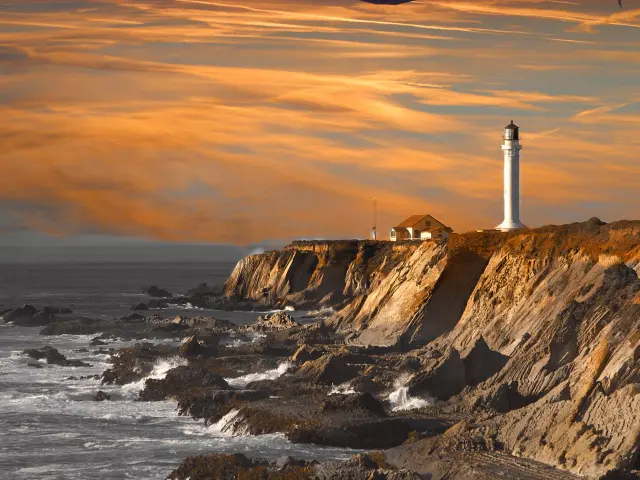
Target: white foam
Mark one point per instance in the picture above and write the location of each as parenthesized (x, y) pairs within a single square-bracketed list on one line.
[(344, 389), (289, 308), (228, 425), (159, 372), (244, 380), (400, 399)]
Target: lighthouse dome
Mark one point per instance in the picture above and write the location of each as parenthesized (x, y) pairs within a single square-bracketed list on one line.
[(511, 131)]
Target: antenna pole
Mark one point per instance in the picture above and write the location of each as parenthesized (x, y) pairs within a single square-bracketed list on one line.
[(374, 232)]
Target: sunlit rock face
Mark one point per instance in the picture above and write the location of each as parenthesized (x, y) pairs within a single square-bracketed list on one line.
[(551, 315)]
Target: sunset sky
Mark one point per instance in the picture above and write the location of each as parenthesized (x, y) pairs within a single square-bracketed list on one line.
[(237, 122)]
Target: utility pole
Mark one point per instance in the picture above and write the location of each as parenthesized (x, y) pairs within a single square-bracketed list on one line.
[(374, 230)]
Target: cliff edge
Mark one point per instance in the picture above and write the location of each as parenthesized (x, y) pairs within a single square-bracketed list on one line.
[(542, 327)]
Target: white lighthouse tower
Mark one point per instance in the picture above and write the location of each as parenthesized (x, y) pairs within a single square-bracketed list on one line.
[(511, 148)]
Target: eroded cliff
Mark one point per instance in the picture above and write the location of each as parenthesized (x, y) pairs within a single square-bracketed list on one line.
[(542, 327)]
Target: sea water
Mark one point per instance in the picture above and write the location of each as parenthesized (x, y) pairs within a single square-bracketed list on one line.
[(50, 426)]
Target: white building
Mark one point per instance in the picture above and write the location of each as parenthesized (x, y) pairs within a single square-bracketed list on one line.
[(419, 227), (511, 148)]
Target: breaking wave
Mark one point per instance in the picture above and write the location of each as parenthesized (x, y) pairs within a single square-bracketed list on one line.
[(160, 370), (400, 399), (244, 380), (343, 389)]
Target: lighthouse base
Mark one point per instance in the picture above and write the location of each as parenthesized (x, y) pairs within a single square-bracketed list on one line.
[(510, 226)]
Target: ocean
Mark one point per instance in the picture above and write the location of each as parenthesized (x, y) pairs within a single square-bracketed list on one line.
[(50, 427)]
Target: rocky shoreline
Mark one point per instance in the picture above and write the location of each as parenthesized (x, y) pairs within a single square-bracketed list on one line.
[(512, 356)]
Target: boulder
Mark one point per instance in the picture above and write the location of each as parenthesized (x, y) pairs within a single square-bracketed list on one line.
[(329, 369), (481, 363), (101, 396), (213, 405), (74, 326), (441, 378), (96, 342), (180, 380), (139, 307), (20, 316), (53, 357), (359, 402), (306, 353), (192, 347), (154, 291), (275, 321)]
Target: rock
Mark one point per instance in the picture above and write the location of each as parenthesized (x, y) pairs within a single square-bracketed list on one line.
[(156, 292), (139, 307), (74, 326), (133, 317), (131, 364), (191, 347), (237, 466), (441, 378), (23, 316), (35, 365), (101, 396), (306, 353), (179, 380), (29, 316), (363, 402), (360, 434), (275, 321), (53, 357), (329, 369), (213, 405), (482, 362), (96, 342)]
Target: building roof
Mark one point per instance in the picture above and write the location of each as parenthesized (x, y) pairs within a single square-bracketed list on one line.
[(512, 126), (413, 220)]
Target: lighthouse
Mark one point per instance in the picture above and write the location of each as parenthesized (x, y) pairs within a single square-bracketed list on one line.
[(511, 148)]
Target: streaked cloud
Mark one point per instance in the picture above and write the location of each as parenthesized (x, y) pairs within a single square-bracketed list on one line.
[(234, 122)]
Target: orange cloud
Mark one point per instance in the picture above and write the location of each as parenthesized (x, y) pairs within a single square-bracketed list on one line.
[(215, 121)]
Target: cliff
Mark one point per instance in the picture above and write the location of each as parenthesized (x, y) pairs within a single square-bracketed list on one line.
[(543, 326)]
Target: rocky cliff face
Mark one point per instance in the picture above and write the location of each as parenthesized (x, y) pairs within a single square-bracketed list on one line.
[(313, 274), (542, 327)]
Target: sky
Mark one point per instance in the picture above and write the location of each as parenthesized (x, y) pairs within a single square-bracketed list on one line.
[(232, 122)]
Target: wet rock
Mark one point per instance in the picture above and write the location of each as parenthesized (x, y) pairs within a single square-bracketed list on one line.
[(53, 357), (237, 466), (154, 291), (353, 433), (75, 326), (306, 353), (96, 342), (133, 317), (275, 321), (192, 347), (35, 365), (213, 405), (101, 396), (329, 369), (363, 402), (27, 316), (134, 363), (139, 307), (180, 380)]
